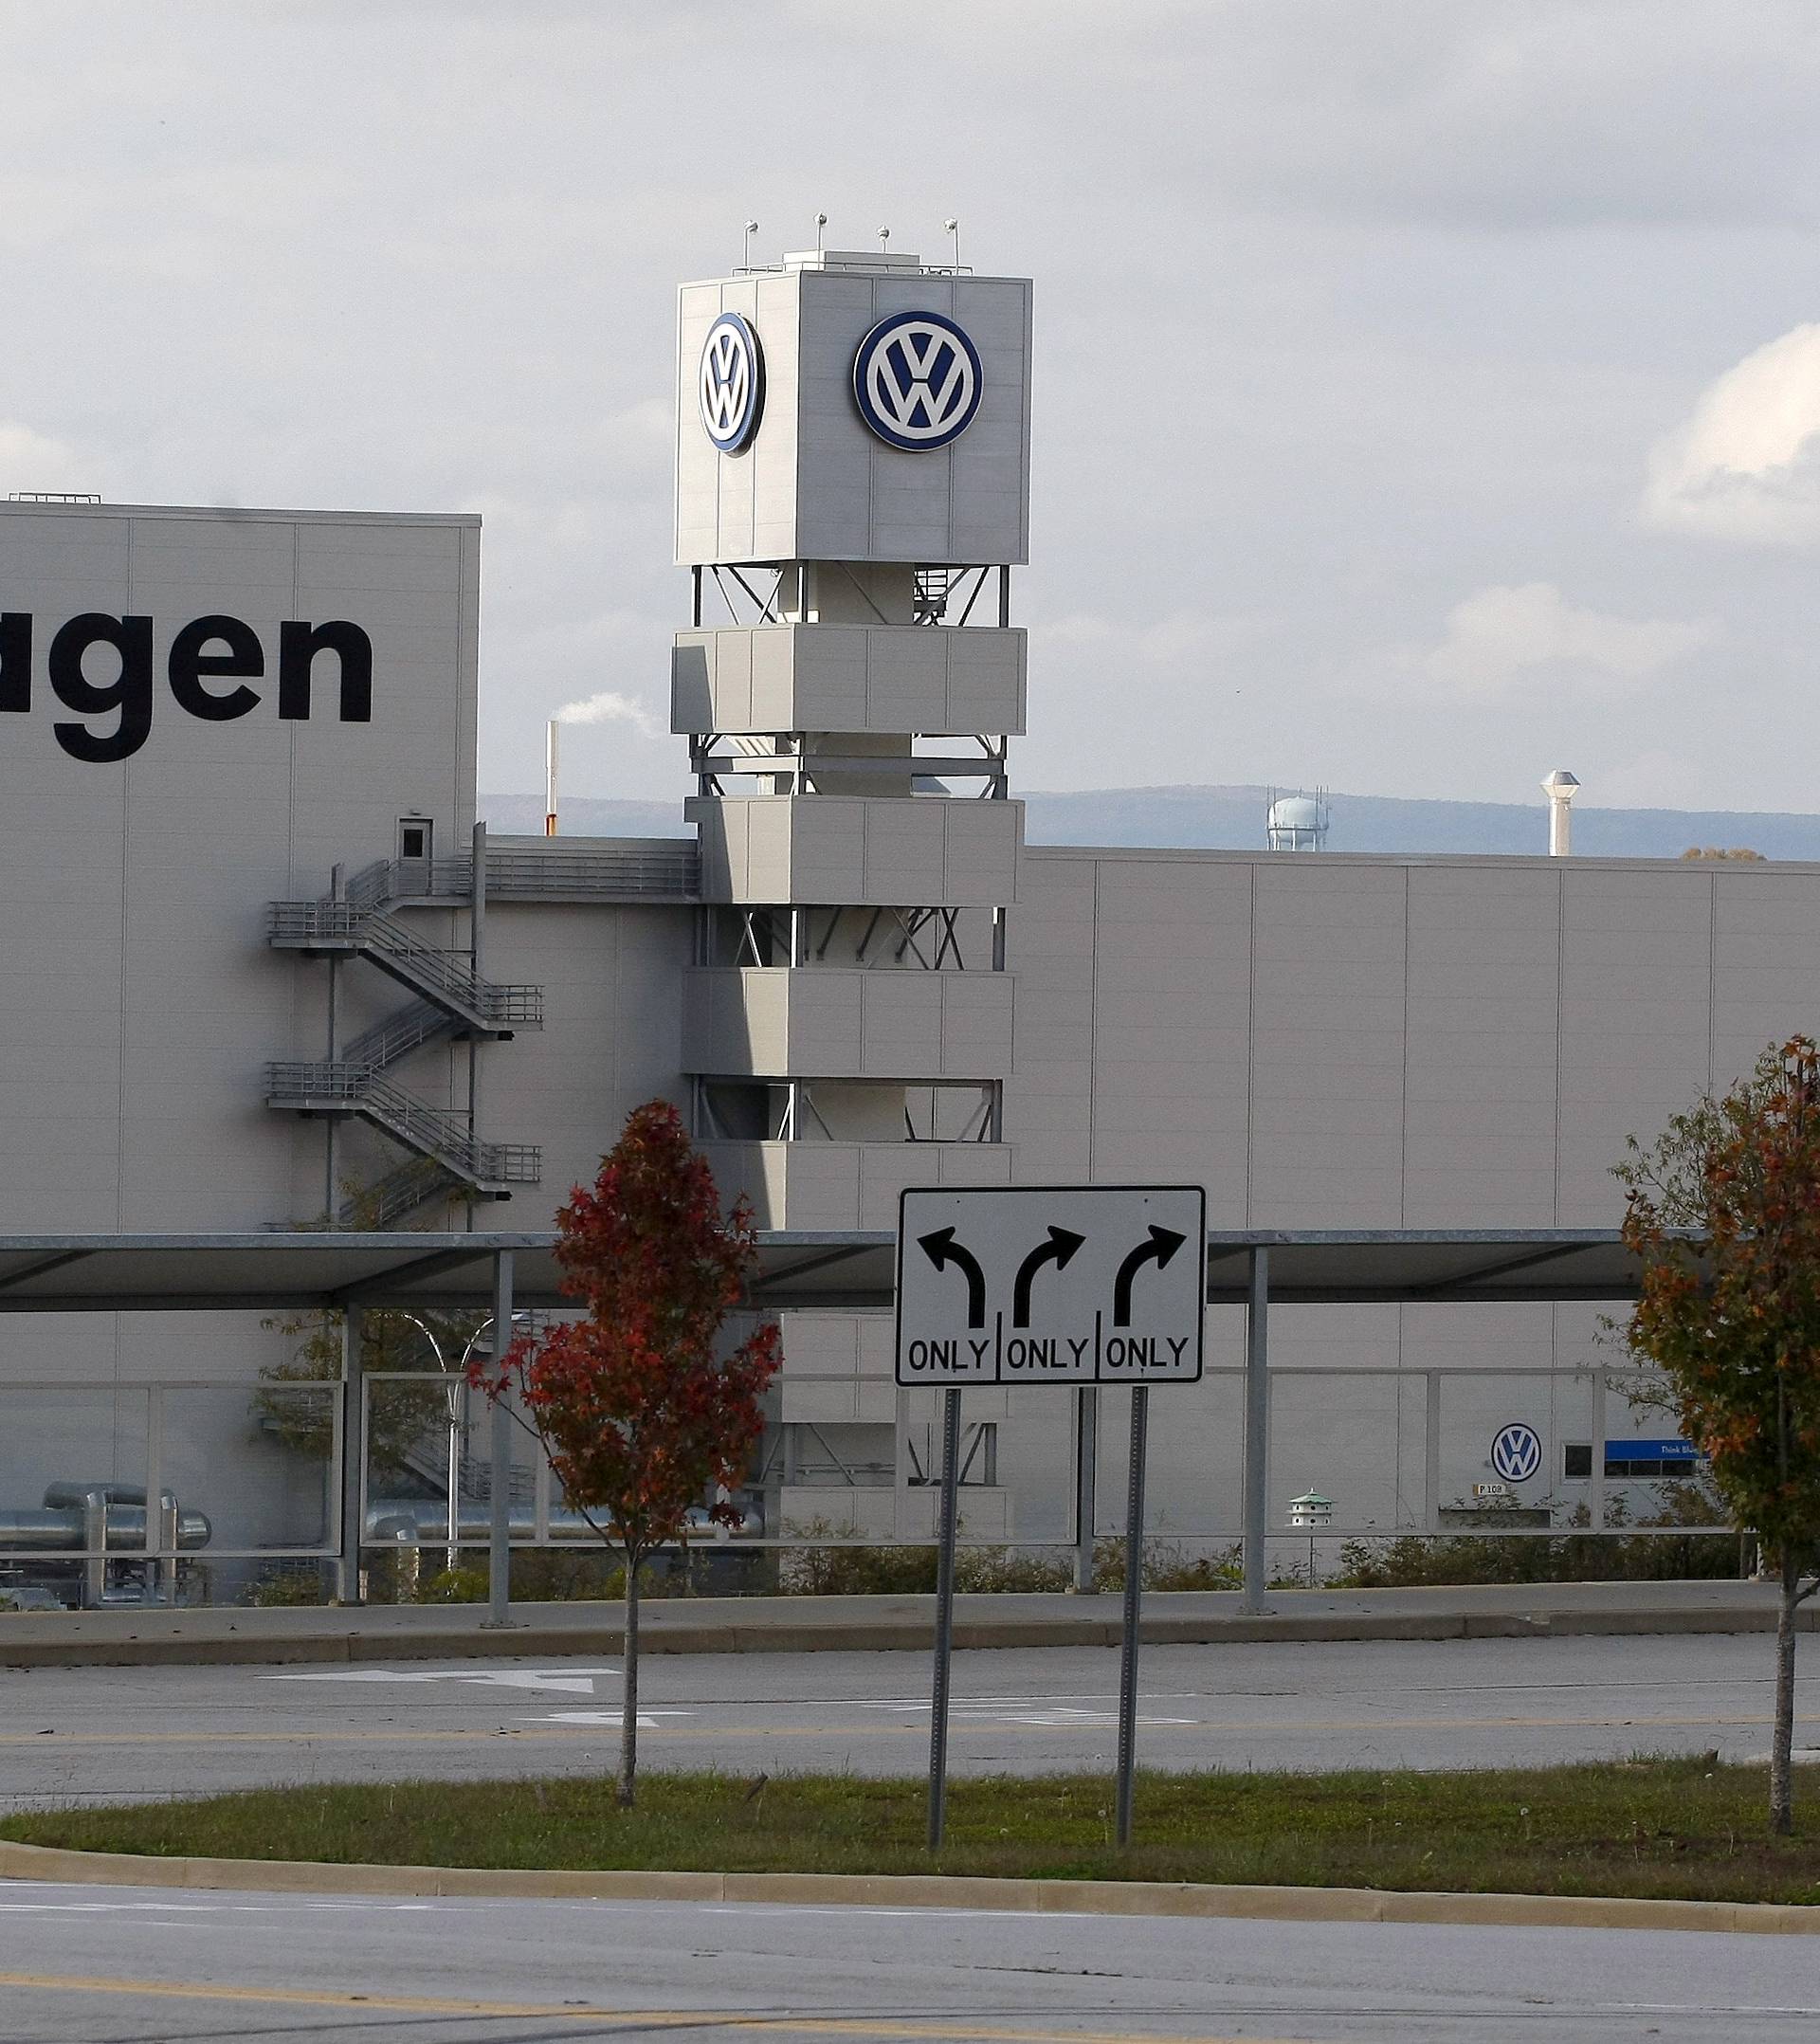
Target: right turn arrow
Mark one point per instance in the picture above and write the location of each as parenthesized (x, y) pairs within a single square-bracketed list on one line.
[(1162, 1245), (942, 1250), (1058, 1251)]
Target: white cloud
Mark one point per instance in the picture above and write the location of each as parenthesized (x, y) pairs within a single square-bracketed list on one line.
[(1513, 632), (1746, 464), (32, 461), (610, 707)]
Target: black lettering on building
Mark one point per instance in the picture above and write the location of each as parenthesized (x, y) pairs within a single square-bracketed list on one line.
[(129, 693), (191, 665), (297, 647), (15, 660)]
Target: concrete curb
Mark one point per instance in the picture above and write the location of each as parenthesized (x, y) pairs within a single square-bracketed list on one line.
[(912, 1892), (893, 1634)]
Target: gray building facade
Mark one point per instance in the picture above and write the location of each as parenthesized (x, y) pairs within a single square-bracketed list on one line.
[(261, 969)]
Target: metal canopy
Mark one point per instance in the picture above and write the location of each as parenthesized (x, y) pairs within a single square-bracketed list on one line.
[(1336, 1266), (275, 1271)]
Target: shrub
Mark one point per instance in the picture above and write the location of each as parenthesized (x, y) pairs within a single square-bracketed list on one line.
[(1168, 1566), (1578, 1555), (454, 1586), (906, 1571), (290, 1586)]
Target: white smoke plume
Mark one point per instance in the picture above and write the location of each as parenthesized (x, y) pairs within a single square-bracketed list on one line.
[(610, 707)]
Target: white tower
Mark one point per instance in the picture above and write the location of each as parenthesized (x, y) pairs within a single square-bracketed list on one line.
[(1561, 788), (852, 489), (852, 492)]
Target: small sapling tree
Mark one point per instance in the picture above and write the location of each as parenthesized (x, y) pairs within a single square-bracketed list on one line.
[(1723, 1213), (646, 1414)]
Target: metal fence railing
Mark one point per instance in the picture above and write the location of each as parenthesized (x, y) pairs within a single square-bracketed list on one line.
[(303, 1085), (444, 975), (123, 1493), (594, 869)]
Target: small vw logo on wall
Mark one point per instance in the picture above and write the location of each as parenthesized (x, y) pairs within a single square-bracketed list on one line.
[(1516, 1452), (733, 383), (917, 380)]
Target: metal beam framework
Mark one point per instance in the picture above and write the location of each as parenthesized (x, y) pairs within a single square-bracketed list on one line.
[(276, 1271)]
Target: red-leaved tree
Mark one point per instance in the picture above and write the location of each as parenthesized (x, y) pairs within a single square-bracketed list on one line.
[(1723, 1212), (646, 1414)]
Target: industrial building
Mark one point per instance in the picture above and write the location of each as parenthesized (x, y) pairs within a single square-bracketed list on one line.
[(262, 967)]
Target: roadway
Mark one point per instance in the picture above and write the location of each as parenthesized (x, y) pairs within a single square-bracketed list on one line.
[(109, 1734), (106, 1966)]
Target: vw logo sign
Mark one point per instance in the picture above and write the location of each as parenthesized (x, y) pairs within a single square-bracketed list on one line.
[(731, 383), (1516, 1452), (917, 380)]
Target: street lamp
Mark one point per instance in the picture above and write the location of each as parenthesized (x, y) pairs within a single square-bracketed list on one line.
[(452, 1558)]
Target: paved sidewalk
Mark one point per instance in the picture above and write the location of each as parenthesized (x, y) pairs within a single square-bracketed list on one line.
[(875, 1624)]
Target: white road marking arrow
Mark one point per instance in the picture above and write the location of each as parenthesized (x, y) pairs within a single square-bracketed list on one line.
[(647, 1719), (579, 1682), (1005, 1711)]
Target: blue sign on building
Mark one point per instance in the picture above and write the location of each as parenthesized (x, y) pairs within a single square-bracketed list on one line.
[(1652, 1458)]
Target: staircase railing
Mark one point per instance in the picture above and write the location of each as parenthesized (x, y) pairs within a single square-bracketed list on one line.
[(396, 1036), (401, 1191), (324, 1085), (605, 869), (448, 977)]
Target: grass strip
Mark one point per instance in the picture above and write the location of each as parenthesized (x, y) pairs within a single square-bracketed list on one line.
[(1678, 1827)]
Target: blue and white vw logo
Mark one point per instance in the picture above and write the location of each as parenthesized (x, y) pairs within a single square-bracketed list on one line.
[(1516, 1452), (917, 380), (733, 383)]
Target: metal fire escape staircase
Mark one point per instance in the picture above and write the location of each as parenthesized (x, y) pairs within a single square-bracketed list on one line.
[(452, 1000)]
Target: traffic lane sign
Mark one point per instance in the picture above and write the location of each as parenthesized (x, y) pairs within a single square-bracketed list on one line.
[(1059, 1285)]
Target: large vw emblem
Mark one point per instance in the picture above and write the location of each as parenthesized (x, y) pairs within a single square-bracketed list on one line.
[(1516, 1452), (917, 380), (733, 383)]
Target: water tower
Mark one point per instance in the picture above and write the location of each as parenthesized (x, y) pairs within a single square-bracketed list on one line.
[(1297, 822)]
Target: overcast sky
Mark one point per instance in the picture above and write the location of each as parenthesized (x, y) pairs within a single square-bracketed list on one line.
[(1427, 394)]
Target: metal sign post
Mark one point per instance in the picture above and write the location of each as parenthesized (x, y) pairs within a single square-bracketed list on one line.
[(944, 1617), (1063, 1284), (1087, 1461), (1133, 1608)]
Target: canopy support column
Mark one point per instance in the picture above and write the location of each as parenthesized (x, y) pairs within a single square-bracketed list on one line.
[(354, 1457), (498, 1556), (1257, 1429)]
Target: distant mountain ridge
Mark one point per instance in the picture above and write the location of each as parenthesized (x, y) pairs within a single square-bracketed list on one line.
[(1231, 819)]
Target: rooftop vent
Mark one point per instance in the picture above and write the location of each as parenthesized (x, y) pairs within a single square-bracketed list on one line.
[(1561, 788)]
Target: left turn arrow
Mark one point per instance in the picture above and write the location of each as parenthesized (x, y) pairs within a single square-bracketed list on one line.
[(942, 1250)]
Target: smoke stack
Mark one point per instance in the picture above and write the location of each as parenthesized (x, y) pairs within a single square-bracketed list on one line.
[(1561, 788), (550, 777)]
